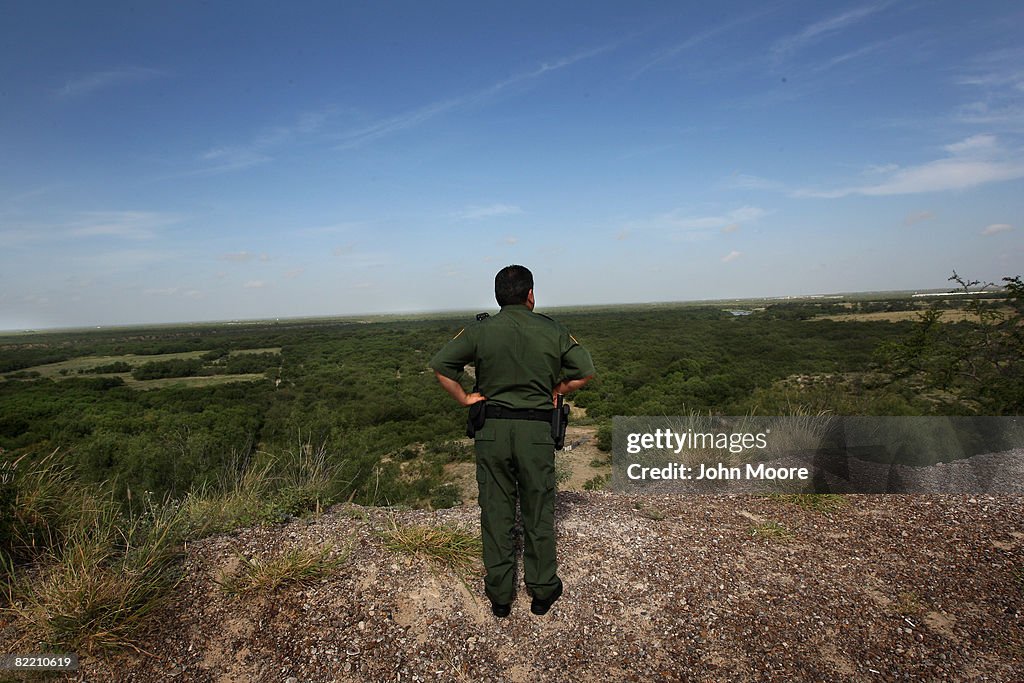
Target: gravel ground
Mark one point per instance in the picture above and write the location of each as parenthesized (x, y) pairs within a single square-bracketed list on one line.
[(699, 588)]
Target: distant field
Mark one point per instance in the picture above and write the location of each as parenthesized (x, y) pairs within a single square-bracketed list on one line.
[(185, 381), (71, 367), (78, 367), (897, 316)]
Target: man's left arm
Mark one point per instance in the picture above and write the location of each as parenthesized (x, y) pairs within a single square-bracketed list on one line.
[(577, 366)]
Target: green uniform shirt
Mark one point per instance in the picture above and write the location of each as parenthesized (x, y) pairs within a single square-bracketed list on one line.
[(519, 356)]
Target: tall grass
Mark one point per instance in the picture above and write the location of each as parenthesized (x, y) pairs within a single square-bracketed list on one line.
[(81, 575), (266, 489), (78, 572), (40, 502)]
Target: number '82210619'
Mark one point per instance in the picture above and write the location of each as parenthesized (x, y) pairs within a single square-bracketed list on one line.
[(39, 663)]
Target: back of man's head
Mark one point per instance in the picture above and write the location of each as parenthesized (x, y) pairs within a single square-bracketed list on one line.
[(512, 285)]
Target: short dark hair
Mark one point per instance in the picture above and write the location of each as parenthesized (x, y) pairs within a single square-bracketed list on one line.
[(512, 285)]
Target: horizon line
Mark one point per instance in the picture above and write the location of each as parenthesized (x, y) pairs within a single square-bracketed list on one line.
[(445, 312)]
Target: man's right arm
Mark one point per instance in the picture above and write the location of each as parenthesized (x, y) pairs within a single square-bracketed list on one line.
[(457, 392)]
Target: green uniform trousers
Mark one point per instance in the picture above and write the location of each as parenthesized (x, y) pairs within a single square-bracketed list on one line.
[(517, 456)]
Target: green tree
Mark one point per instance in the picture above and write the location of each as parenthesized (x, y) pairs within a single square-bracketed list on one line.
[(975, 364)]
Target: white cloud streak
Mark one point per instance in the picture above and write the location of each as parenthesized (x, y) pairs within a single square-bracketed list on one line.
[(817, 31), (732, 219), (975, 161), (238, 257), (996, 228), (101, 80), (743, 181), (259, 150), (680, 224), (420, 115), (470, 213), (135, 225), (918, 217), (996, 81), (698, 39)]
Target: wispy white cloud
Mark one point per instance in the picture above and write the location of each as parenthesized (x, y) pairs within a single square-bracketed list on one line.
[(255, 284), (165, 291), (918, 217), (225, 159), (420, 115), (238, 257), (996, 82), (261, 148), (995, 69), (698, 39), (1010, 115), (352, 258), (731, 256), (824, 65), (744, 181), (488, 211), (977, 160), (101, 80), (344, 227), (817, 31), (744, 214), (511, 241), (122, 259), (974, 145), (684, 225), (996, 228), (135, 225)]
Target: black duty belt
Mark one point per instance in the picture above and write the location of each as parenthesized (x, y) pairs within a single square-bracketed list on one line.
[(502, 413)]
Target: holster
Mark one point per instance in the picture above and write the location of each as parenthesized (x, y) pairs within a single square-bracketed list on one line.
[(476, 418), (559, 421)]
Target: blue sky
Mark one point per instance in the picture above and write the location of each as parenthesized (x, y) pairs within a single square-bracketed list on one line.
[(209, 161)]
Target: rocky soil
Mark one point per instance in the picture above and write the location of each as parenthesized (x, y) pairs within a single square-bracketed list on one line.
[(698, 588)]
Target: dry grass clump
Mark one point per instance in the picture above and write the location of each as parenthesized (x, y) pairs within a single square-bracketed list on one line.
[(295, 566), (444, 545), (772, 530)]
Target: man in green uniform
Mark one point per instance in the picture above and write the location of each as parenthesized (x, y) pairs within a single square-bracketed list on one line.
[(523, 360)]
